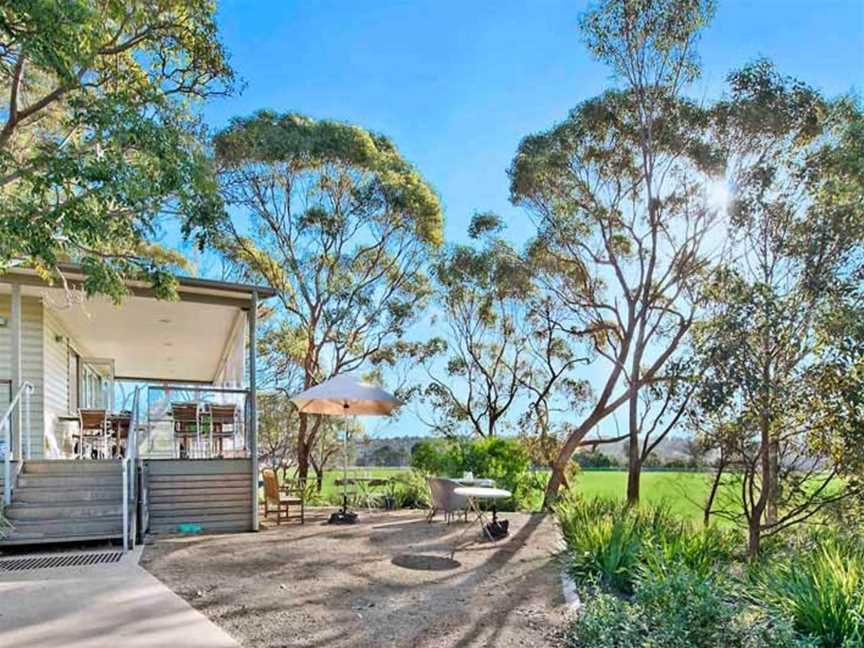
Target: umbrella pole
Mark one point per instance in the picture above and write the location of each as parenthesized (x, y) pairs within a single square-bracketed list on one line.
[(345, 468)]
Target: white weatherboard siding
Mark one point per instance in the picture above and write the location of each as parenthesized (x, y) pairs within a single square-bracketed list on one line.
[(56, 377), (32, 361)]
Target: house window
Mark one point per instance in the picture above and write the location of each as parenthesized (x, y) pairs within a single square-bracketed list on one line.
[(91, 382)]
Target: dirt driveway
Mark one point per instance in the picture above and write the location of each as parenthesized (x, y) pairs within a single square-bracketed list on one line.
[(387, 581)]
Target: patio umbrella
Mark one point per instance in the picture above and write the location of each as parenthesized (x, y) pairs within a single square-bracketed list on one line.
[(345, 395)]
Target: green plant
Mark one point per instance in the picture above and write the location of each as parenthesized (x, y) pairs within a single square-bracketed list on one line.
[(504, 460), (609, 541), (822, 590), (678, 608), (409, 490), (606, 622)]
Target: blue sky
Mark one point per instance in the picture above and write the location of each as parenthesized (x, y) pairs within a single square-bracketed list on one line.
[(457, 84)]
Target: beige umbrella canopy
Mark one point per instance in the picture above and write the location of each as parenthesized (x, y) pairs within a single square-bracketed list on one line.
[(346, 395)]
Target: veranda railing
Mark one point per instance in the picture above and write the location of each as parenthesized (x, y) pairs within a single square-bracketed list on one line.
[(21, 398)]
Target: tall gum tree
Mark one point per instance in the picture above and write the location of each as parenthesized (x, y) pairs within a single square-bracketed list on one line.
[(782, 341), (335, 219), (98, 137), (475, 373), (618, 193)]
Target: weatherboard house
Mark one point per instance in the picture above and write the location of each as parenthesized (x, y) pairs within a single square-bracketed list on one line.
[(118, 419)]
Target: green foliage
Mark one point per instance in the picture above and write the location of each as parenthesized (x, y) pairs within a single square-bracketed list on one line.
[(610, 543), (391, 191), (595, 459), (780, 342), (688, 587), (100, 138), (607, 621), (821, 589), (504, 460), (678, 609), (409, 490)]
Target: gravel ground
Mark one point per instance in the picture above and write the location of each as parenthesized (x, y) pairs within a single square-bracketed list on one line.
[(387, 581)]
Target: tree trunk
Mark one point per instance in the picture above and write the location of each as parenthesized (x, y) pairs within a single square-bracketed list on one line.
[(634, 467), (712, 494), (754, 538), (773, 481), (303, 449), (559, 466)]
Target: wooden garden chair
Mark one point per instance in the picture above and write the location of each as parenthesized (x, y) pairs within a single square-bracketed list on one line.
[(282, 498)]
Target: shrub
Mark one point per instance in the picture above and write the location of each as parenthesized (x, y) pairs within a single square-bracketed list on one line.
[(603, 547), (437, 457), (504, 460), (596, 459), (409, 490), (609, 541), (607, 622), (677, 608), (822, 590)]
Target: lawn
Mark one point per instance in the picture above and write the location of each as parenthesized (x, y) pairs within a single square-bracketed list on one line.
[(683, 492)]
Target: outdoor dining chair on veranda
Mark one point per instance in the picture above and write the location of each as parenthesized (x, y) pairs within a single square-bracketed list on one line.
[(223, 424), (282, 497), (93, 435), (445, 500), (187, 429)]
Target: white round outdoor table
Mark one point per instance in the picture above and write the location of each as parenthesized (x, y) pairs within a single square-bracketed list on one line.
[(473, 494), (474, 481)]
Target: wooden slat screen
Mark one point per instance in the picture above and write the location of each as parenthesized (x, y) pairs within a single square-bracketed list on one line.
[(217, 494)]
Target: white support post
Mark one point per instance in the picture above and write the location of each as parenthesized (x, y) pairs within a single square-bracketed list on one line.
[(17, 368), (253, 415), (7, 466), (125, 504), (28, 392)]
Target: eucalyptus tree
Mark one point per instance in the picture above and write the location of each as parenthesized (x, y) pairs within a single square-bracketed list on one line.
[(617, 191), (335, 219), (783, 343), (98, 136), (476, 372)]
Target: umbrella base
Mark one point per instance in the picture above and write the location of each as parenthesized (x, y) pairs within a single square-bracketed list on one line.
[(343, 517)]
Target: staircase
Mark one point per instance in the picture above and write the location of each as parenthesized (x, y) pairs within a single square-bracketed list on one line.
[(66, 501)]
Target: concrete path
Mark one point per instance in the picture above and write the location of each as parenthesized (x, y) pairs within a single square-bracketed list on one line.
[(99, 606)]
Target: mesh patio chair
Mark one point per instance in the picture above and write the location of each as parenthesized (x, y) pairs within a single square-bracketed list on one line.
[(445, 500)]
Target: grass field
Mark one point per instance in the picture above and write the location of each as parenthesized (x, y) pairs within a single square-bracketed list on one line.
[(683, 492)]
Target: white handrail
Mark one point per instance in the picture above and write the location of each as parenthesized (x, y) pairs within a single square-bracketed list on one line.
[(129, 463), (126, 504), (25, 390)]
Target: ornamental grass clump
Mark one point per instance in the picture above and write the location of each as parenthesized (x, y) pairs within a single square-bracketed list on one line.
[(821, 590), (609, 542)]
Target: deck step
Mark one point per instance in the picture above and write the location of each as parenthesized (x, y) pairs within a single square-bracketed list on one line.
[(104, 526), (67, 482), (72, 467), (67, 510), (38, 538), (32, 495), (66, 501)]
